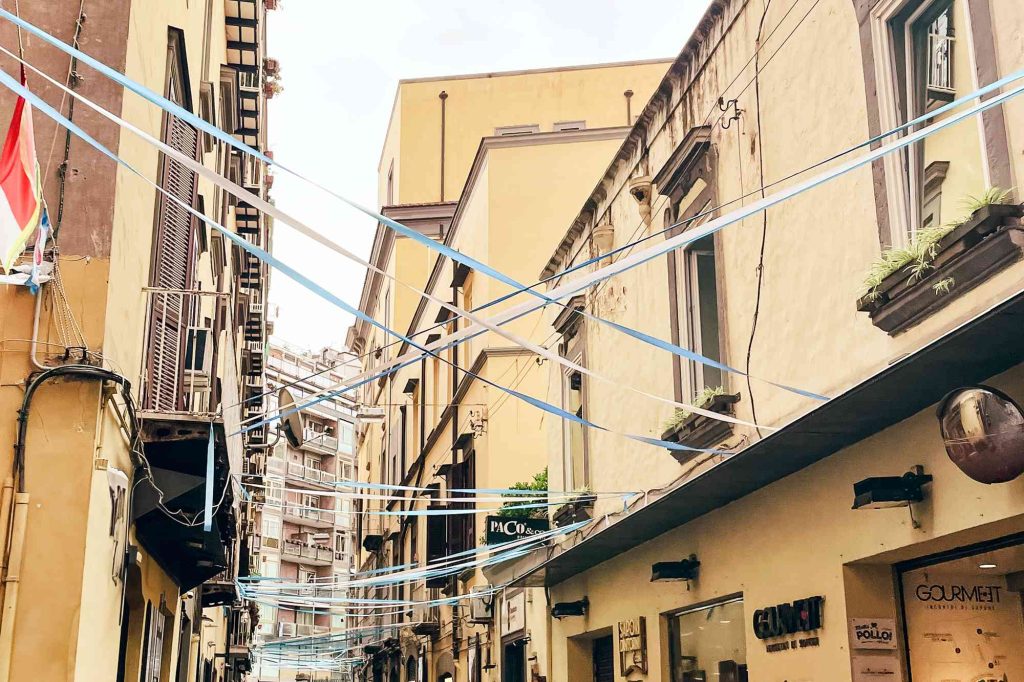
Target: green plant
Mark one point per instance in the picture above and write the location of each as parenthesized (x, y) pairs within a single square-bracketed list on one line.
[(917, 257), (702, 400), (538, 484), (943, 286), (993, 195)]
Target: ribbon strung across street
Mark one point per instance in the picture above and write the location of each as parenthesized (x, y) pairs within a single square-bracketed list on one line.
[(268, 208), (312, 286)]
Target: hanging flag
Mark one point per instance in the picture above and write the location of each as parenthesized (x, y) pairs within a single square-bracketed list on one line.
[(20, 189), (36, 276)]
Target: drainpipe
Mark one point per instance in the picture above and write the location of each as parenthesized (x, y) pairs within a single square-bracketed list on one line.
[(11, 584), (443, 96), (35, 330), (5, 515)]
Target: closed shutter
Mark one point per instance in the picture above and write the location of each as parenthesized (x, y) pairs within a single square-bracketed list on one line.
[(437, 544), (172, 268), (604, 660)]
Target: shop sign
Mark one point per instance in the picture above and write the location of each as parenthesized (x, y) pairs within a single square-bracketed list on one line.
[(873, 633), (802, 615), (876, 669), (502, 529), (633, 645), (513, 614)]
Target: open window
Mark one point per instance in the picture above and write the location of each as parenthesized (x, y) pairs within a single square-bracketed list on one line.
[(575, 465)]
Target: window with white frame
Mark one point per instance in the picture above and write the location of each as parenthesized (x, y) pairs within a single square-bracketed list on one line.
[(271, 527), (923, 59), (575, 468), (699, 295)]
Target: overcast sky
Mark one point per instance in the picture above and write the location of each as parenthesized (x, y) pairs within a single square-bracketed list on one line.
[(340, 64)]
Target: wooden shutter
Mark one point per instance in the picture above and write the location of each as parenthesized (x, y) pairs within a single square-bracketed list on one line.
[(172, 268), (437, 544)]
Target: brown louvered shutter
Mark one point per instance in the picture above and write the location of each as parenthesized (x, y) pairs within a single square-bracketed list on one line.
[(172, 268)]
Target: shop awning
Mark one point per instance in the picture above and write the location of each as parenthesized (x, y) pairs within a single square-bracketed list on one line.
[(981, 348)]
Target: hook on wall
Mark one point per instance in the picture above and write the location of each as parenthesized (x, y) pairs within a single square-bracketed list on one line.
[(725, 120)]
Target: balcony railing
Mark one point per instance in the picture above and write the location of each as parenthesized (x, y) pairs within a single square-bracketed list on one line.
[(301, 551), (177, 374), (304, 513), (940, 63), (310, 474), (319, 441)]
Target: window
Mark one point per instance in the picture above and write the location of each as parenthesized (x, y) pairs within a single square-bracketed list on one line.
[(708, 643), (505, 131), (561, 126), (573, 398), (700, 298), (271, 527), (270, 567), (275, 490), (174, 245), (346, 436), (921, 62)]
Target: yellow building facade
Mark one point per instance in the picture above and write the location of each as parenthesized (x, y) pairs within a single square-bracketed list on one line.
[(855, 539), (490, 165), (134, 366)]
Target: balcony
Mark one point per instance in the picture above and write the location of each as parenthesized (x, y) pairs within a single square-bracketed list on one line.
[(307, 516), (305, 474), (316, 441), (314, 555), (177, 450), (302, 630)]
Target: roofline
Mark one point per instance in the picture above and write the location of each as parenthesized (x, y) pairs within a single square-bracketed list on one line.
[(527, 72), (486, 145), (694, 55)]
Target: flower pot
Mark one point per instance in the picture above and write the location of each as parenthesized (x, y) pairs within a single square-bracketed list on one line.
[(699, 431), (989, 241)]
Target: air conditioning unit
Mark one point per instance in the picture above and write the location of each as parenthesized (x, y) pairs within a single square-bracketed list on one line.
[(286, 629), (481, 608), (272, 543), (321, 538)]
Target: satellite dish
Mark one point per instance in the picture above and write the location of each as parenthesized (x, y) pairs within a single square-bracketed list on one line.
[(291, 419)]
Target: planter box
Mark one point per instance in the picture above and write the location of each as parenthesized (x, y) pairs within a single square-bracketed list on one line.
[(580, 509), (698, 431), (970, 254)]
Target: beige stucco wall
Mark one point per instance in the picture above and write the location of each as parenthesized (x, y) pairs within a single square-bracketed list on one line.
[(799, 538)]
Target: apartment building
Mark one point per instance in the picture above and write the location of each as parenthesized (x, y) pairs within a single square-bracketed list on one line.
[(491, 165), (305, 534), (129, 367), (873, 536)]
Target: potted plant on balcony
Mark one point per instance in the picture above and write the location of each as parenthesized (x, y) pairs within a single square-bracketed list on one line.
[(271, 87), (906, 284), (579, 508), (697, 430)]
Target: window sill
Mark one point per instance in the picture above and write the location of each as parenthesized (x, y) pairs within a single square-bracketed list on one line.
[(698, 431), (990, 241)]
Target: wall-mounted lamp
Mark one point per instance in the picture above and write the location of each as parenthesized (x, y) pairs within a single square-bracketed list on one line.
[(565, 609), (983, 431), (886, 492), (667, 571)]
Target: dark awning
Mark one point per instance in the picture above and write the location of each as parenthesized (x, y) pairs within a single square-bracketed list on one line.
[(977, 350)]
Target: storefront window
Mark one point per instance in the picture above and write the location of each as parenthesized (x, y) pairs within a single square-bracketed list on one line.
[(963, 617), (707, 644)]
